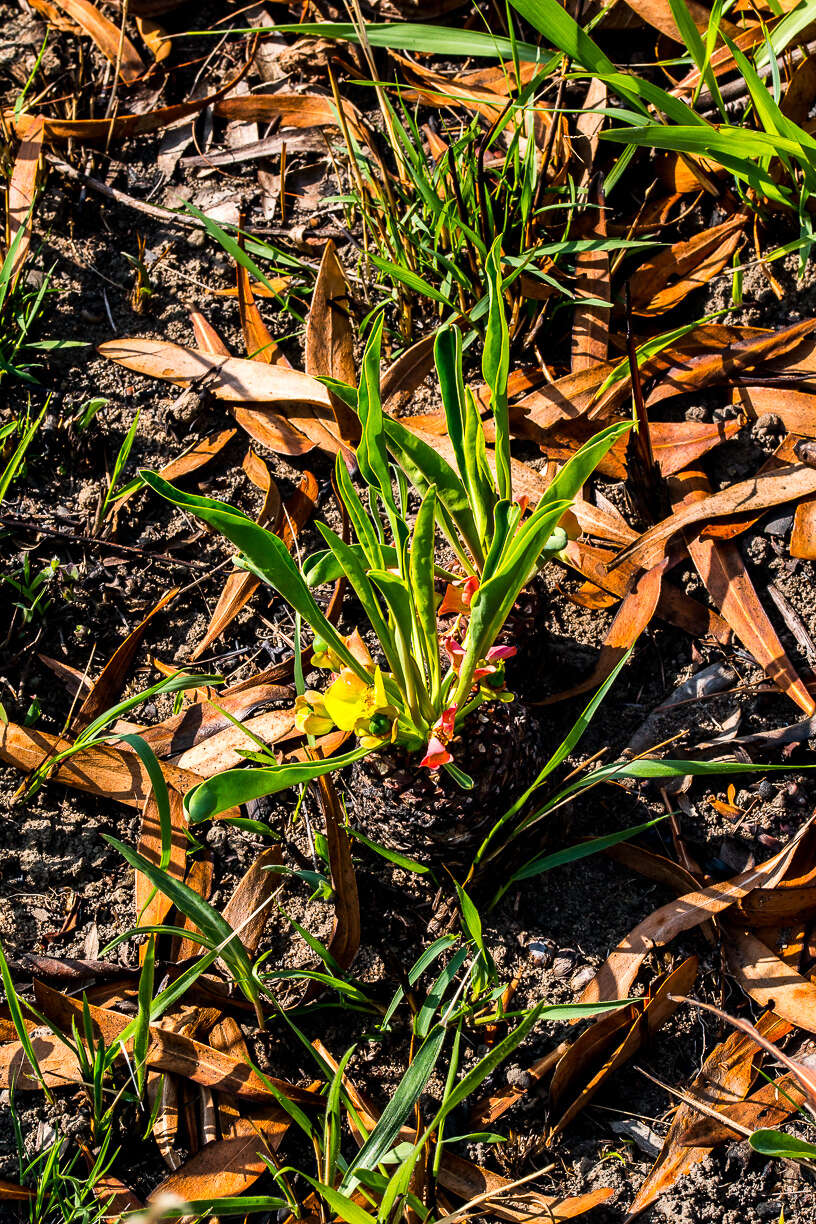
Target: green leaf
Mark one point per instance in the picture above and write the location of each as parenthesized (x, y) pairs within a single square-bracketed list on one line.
[(352, 566), (552, 20), (409, 278), (408, 1092), (546, 862), (786, 1147), (496, 367), (267, 556), (425, 467), (141, 1033), (201, 914), (235, 787), (421, 573), (372, 455)]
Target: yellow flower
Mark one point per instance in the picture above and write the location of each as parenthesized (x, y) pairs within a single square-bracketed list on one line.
[(352, 704), (311, 716)]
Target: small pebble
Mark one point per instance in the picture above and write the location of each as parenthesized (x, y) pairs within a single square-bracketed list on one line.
[(582, 978), (541, 952), (563, 964), (765, 790), (779, 526)]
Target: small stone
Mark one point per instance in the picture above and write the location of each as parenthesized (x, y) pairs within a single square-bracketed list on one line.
[(582, 978), (542, 952), (765, 790), (697, 413), (768, 423), (735, 855), (517, 1077), (563, 963), (779, 526)]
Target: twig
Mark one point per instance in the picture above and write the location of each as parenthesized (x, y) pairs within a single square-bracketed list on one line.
[(121, 197), (129, 550)]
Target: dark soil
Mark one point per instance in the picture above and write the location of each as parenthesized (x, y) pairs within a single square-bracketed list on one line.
[(550, 933)]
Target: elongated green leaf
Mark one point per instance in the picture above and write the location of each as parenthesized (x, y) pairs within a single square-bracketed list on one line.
[(572, 854), (785, 1147), (141, 1035), (372, 455), (238, 786), (410, 36), (409, 278), (354, 570), (448, 361), (552, 20), (17, 1019), (496, 367), (421, 572), (364, 529), (787, 31), (425, 467), (201, 914), (580, 466), (230, 1206), (266, 555), (409, 1090)]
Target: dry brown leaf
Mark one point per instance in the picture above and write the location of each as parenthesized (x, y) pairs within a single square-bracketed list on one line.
[(118, 125), (590, 323), (107, 36), (102, 770), (289, 110), (659, 15), (116, 1196), (228, 1167), (615, 977), (248, 906), (223, 750), (345, 937), (258, 340), (673, 606), (199, 877), (155, 37), (467, 1181), (152, 906), (803, 537), (658, 1007), (795, 409), (201, 720), (725, 1078), (759, 493), (234, 379), (766, 1108), (10, 1192), (770, 982), (691, 262), (329, 344), (22, 190), (719, 563)]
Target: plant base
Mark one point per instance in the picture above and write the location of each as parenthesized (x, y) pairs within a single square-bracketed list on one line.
[(423, 813)]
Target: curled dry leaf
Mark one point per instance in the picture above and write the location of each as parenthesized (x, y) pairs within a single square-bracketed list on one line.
[(759, 493), (769, 981), (189, 461), (725, 1078), (578, 1076), (720, 565), (22, 190), (101, 770), (767, 1107), (107, 36), (615, 977), (248, 906)]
